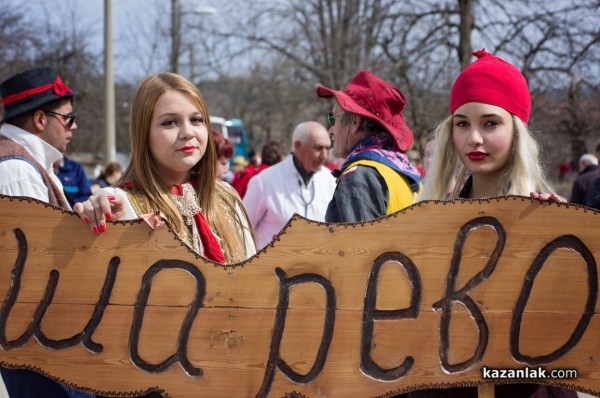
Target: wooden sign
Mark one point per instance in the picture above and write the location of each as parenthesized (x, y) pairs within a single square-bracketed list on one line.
[(438, 295)]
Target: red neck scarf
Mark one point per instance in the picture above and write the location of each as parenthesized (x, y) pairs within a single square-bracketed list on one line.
[(211, 248)]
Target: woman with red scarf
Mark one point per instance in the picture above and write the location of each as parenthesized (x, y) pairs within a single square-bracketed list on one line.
[(172, 176)]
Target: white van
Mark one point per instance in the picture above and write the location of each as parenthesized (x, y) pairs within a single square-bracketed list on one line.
[(219, 124)]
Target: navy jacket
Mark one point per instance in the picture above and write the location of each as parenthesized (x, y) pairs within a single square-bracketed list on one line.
[(75, 182)]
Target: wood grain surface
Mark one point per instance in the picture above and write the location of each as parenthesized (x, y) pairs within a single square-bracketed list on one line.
[(427, 297)]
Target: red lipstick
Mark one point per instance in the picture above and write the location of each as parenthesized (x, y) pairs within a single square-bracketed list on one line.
[(187, 149), (477, 156)]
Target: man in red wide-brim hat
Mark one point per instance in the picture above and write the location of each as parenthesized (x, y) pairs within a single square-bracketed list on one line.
[(369, 131)]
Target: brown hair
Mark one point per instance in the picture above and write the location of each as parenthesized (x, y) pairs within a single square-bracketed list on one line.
[(272, 152), (110, 169), (218, 202)]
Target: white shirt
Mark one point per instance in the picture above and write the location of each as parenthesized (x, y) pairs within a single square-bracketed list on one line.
[(21, 178), (274, 195)]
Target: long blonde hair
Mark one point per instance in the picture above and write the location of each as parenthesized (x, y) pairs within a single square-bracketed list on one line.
[(524, 174), (218, 202)]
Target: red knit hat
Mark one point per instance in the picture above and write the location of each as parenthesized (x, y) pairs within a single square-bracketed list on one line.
[(370, 96), (491, 80)]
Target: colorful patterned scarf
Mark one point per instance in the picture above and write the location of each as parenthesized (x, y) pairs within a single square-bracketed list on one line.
[(381, 148), (202, 238)]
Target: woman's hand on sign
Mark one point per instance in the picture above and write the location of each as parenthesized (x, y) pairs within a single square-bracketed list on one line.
[(99, 209), (547, 197)]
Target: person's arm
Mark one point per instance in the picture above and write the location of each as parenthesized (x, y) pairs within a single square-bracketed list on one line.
[(361, 195), (21, 178), (107, 204)]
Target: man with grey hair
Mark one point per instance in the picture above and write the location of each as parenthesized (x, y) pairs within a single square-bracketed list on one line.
[(588, 172), (298, 184)]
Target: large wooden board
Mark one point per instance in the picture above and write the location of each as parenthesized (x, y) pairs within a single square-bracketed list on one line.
[(427, 297)]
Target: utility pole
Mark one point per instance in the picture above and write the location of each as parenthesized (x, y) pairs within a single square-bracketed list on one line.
[(175, 35), (176, 15), (109, 94)]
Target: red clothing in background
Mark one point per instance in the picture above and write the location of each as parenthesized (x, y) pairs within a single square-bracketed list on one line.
[(240, 180)]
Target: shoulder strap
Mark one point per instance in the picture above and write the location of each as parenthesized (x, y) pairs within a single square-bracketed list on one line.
[(12, 150), (17, 157)]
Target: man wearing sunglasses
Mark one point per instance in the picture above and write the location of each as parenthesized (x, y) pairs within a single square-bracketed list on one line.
[(37, 125), (369, 131)]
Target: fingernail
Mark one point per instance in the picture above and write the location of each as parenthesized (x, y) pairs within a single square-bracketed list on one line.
[(95, 229), (102, 227), (111, 197), (107, 215), (87, 220)]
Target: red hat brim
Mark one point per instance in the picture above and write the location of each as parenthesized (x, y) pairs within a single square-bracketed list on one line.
[(398, 130)]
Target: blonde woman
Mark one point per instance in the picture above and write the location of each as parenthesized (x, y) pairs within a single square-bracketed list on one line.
[(172, 171), (487, 138)]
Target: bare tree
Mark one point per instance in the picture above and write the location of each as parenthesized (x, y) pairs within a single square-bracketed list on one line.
[(556, 45), (146, 42), (420, 45), (261, 59), (18, 38), (325, 40), (549, 41), (64, 46)]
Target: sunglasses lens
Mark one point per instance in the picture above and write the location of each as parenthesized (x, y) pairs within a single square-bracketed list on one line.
[(331, 119), (68, 118)]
